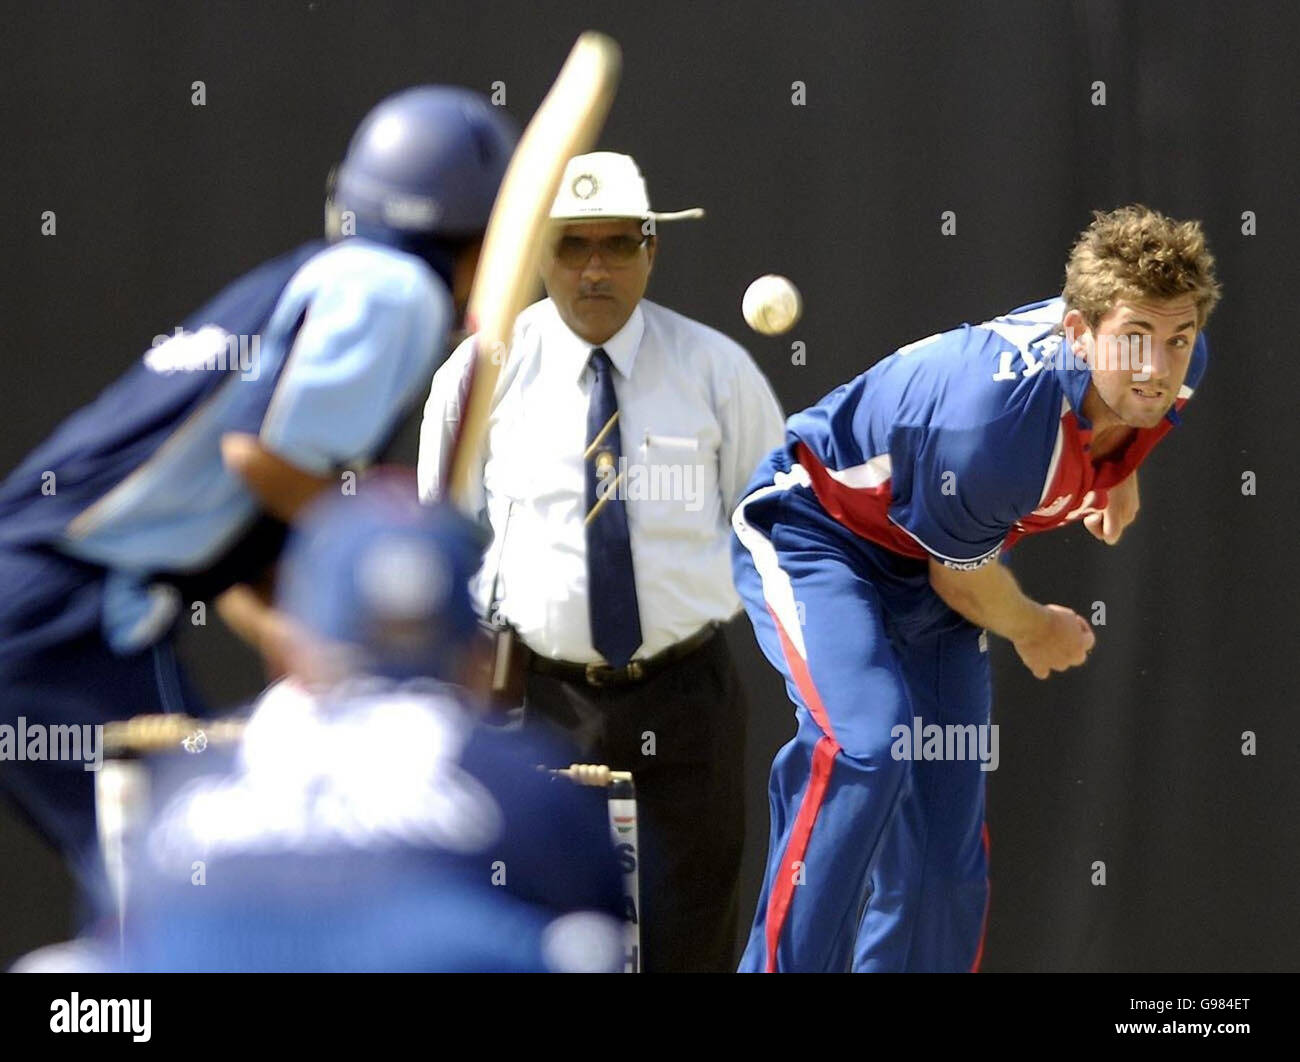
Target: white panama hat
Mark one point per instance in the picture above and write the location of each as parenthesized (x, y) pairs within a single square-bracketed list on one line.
[(605, 184)]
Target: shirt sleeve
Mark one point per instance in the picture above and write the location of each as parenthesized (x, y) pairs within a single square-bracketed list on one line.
[(442, 419), (958, 492), (364, 351), (753, 425)]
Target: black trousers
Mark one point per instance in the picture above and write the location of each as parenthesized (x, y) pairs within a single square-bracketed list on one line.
[(681, 733)]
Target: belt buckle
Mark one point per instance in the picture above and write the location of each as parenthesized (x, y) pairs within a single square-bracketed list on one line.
[(599, 675)]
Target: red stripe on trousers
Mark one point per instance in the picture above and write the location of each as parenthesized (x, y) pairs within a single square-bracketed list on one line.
[(988, 897), (803, 679), (824, 752)]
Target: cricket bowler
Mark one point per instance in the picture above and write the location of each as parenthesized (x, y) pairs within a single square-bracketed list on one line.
[(866, 551)]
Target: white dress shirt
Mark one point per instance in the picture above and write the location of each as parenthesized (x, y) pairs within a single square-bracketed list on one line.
[(696, 415)]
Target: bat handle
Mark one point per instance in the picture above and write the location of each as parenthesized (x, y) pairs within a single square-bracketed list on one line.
[(597, 774)]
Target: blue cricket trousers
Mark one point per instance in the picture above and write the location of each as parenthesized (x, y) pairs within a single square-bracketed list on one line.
[(57, 670), (876, 862)]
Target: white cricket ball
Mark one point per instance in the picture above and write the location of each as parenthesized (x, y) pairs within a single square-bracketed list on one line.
[(771, 305)]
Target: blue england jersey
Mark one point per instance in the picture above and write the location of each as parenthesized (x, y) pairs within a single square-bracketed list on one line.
[(959, 444)]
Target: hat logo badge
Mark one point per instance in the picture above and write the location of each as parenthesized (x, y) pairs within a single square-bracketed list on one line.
[(585, 186)]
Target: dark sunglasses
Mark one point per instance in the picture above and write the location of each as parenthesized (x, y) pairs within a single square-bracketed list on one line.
[(575, 251)]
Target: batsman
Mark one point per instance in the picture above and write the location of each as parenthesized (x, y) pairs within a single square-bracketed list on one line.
[(177, 485), (867, 550)]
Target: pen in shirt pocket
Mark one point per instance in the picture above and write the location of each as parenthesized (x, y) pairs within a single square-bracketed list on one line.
[(671, 442)]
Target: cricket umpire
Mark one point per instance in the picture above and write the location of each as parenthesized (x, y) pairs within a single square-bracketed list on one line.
[(622, 438), (868, 551)]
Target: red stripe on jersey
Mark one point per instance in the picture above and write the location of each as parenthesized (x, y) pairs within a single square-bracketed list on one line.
[(1076, 476), (863, 510)]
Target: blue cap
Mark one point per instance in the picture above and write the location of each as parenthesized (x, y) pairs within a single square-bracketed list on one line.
[(385, 575)]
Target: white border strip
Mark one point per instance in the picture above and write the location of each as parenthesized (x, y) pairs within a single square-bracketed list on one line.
[(865, 476), (1056, 452), (778, 591)]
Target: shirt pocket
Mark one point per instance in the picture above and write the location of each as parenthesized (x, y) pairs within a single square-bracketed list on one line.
[(672, 482)]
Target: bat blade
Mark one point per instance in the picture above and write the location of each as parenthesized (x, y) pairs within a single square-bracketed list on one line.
[(567, 123)]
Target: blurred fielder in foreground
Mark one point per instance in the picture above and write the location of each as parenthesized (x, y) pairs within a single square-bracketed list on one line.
[(867, 554), (177, 483), (368, 821)]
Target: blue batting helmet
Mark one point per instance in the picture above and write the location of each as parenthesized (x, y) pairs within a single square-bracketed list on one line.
[(426, 161)]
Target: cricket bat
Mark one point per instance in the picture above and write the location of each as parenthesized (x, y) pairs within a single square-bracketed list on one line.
[(566, 124)]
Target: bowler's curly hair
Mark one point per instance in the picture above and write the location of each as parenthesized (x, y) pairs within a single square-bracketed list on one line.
[(1137, 252)]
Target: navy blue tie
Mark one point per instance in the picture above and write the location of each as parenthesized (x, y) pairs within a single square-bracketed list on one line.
[(611, 585)]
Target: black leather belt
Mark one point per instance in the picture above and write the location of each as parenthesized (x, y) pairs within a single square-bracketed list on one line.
[(636, 670)]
